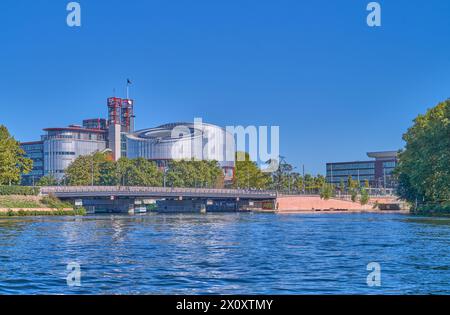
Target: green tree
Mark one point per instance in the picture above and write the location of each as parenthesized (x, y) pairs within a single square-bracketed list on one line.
[(139, 172), (423, 171), (86, 170), (342, 186), (248, 174), (364, 196), (202, 174), (299, 183), (353, 187), (319, 181), (13, 162), (108, 172), (354, 195), (327, 191), (309, 183), (99, 169), (281, 178), (349, 182), (47, 180)]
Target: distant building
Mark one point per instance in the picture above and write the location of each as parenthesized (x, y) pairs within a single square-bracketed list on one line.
[(59, 147), (63, 145), (95, 123), (197, 141), (34, 151), (378, 171)]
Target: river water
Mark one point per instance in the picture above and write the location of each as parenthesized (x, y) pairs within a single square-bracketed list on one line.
[(225, 254)]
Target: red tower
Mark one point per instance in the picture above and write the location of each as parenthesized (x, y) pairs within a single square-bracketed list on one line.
[(114, 106), (127, 115)]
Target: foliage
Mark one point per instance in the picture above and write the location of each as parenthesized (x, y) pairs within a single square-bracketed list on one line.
[(353, 187), (22, 213), (13, 162), (85, 170), (327, 191), (54, 203), (354, 195), (19, 190), (282, 177), (8, 202), (99, 169), (202, 174), (423, 171), (342, 186), (364, 196), (137, 172), (248, 174), (47, 180)]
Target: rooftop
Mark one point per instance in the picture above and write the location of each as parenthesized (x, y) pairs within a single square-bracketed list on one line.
[(383, 154), (76, 128)]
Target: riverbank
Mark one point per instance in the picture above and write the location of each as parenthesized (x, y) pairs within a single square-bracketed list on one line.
[(19, 205), (334, 211), (311, 204), (40, 212)]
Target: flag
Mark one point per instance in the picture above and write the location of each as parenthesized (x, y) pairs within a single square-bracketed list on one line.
[(129, 81)]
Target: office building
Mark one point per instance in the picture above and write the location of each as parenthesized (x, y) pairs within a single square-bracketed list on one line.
[(378, 171)]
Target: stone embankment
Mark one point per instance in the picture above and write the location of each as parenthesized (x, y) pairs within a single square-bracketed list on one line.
[(287, 204)]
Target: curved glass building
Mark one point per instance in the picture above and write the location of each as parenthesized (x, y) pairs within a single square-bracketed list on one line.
[(59, 147), (184, 141)]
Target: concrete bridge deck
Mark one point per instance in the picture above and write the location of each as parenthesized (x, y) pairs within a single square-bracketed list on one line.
[(155, 192)]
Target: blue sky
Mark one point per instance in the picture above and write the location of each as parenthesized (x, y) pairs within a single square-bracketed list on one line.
[(336, 87)]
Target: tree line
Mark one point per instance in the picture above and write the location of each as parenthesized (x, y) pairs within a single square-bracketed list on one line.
[(423, 172), (13, 162), (99, 169)]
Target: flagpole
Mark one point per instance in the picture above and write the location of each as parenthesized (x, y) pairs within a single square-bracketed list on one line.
[(128, 88)]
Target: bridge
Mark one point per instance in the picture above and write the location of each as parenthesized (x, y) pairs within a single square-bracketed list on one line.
[(124, 198), (65, 192)]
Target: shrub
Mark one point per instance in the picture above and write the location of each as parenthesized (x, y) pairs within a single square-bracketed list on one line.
[(364, 196), (6, 202), (23, 213), (53, 202), (19, 190)]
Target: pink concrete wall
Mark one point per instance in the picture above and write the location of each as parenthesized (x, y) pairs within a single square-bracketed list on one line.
[(312, 203)]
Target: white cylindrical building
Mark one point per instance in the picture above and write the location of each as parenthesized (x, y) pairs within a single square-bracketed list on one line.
[(184, 141)]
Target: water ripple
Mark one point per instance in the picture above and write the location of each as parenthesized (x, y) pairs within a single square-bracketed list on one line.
[(225, 254)]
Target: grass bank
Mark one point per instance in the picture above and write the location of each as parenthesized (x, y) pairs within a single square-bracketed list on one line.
[(29, 205), (43, 212)]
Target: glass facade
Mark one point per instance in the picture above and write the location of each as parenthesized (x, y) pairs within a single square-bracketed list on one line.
[(378, 172), (362, 171), (35, 152), (95, 123), (62, 147), (58, 149)]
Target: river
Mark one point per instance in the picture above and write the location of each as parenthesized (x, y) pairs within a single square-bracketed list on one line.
[(224, 254)]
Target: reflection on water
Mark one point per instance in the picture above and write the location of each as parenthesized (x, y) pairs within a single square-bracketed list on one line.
[(225, 253)]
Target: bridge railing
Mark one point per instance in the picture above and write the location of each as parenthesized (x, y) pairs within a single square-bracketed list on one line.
[(129, 189)]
